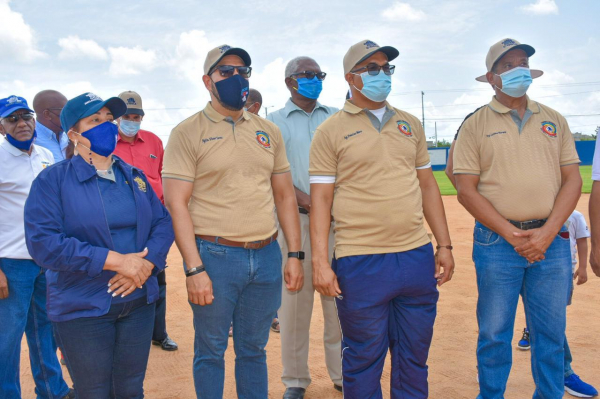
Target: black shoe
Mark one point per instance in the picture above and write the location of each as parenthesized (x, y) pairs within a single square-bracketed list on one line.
[(166, 344), (338, 387), (294, 393), (70, 395)]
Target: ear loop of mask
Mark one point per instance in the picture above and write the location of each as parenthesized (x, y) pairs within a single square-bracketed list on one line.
[(76, 143), (50, 120)]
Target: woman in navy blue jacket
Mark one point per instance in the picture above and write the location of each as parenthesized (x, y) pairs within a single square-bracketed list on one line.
[(98, 227)]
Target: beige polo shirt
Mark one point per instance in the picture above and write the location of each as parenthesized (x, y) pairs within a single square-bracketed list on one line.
[(518, 161), (377, 203), (230, 164)]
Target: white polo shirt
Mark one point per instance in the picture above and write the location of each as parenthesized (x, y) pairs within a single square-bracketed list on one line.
[(17, 172), (596, 162)]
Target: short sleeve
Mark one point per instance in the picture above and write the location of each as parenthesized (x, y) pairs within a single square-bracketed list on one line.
[(281, 162), (466, 158), (581, 230), (596, 163), (422, 157), (179, 160), (568, 153), (322, 159)]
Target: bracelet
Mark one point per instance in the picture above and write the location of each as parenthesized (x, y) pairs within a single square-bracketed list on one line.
[(195, 270), (444, 246)]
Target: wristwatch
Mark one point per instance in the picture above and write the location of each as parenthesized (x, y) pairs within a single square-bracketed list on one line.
[(299, 255), (195, 270)]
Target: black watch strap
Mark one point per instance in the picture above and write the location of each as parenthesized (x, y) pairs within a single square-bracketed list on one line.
[(195, 270), (299, 255)]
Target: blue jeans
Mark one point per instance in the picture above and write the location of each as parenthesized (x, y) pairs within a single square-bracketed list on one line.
[(107, 355), (247, 289), (502, 274), (389, 302), (24, 311)]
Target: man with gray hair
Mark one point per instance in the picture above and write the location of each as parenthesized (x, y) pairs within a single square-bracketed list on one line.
[(298, 121)]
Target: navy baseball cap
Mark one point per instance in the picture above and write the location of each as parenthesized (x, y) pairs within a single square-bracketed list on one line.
[(88, 104), (11, 104)]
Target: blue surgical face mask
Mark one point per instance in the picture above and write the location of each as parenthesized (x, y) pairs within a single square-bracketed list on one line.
[(21, 145), (103, 138), (129, 128), (376, 88), (516, 82), (233, 92), (309, 88)]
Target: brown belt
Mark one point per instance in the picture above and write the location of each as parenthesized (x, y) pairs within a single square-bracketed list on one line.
[(247, 245)]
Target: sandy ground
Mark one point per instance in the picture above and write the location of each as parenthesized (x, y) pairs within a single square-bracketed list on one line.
[(452, 357)]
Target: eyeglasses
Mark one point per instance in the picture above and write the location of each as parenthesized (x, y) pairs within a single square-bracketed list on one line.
[(227, 71), (373, 69), (15, 118), (310, 75)]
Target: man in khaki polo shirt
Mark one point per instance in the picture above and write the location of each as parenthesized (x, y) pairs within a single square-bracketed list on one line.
[(517, 173), (370, 169), (225, 171)]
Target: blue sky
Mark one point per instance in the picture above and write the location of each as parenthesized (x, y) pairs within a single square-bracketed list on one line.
[(158, 49)]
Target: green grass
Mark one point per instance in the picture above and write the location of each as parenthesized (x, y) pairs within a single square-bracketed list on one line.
[(446, 187), (586, 176)]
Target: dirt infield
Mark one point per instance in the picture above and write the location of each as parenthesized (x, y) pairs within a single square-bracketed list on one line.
[(452, 358)]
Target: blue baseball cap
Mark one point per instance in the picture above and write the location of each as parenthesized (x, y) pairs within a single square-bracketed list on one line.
[(11, 104), (88, 104)]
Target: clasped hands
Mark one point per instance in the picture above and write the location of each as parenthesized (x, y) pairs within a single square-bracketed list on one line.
[(132, 273), (532, 244)]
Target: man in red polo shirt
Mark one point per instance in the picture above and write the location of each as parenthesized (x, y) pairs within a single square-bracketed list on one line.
[(144, 150)]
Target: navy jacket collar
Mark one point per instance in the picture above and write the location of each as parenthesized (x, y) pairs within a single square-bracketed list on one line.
[(85, 171)]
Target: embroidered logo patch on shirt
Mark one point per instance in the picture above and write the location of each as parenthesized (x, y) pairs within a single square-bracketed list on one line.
[(45, 164), (404, 128), (263, 139), (141, 183), (549, 128)]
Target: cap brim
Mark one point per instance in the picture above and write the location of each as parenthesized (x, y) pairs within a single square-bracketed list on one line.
[(535, 73), (389, 51), (243, 54), (135, 111), (13, 109), (525, 47), (116, 106)]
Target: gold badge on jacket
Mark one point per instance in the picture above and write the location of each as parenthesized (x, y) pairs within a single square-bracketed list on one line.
[(141, 183)]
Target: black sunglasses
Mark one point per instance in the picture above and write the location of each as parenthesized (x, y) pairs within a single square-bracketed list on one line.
[(310, 75), (373, 69), (227, 71), (15, 118)]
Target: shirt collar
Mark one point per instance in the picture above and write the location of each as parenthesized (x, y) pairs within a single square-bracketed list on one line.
[(216, 117), (44, 131), (496, 106), (291, 107), (14, 150), (138, 137), (353, 109)]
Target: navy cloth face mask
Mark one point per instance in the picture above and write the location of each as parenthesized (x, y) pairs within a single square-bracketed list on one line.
[(103, 138), (310, 88), (233, 92), (21, 145)]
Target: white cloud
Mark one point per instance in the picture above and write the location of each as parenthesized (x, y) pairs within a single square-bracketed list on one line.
[(17, 40), (541, 7), (74, 47), (190, 54), (403, 12), (131, 61)]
